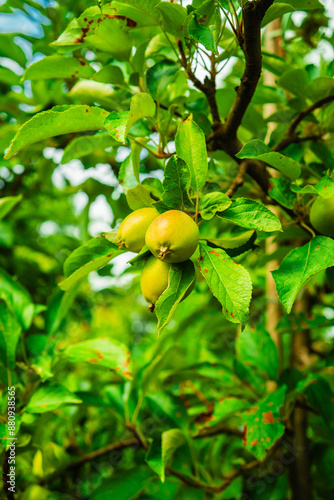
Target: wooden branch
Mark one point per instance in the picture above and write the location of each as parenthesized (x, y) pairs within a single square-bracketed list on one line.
[(300, 469), (138, 435), (229, 478), (119, 445), (225, 136), (295, 139), (221, 429), (307, 111), (250, 42), (291, 136), (187, 480), (239, 179), (208, 87)]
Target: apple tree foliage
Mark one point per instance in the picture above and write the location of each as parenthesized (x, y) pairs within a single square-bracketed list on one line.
[(223, 109)]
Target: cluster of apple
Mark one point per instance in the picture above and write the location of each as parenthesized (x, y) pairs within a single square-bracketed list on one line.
[(172, 237)]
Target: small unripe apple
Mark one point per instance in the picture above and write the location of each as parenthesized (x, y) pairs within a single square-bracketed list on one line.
[(131, 233), (172, 237), (322, 215), (154, 281)]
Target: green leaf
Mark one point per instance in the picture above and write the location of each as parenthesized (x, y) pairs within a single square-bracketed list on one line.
[(299, 265), (251, 214), (303, 321), (8, 203), (256, 349), (295, 81), (11, 50), (191, 147), (10, 331), (161, 453), (118, 124), (235, 490), (176, 183), (169, 408), (111, 36), (56, 121), (91, 92), (307, 6), (278, 9), (110, 74), (129, 172), (58, 309), (273, 63), (223, 409), (159, 76), (281, 191), (96, 253), (263, 423), (202, 25), (229, 282), (8, 77), (260, 151), (107, 32), (6, 234), (320, 87), (87, 144), (264, 94), (211, 203), (58, 67), (320, 395), (154, 459), (18, 298), (103, 352), (231, 243), (324, 188), (139, 197), (141, 257), (248, 376), (170, 441), (49, 397), (145, 6), (181, 277), (173, 17), (236, 245), (124, 485)]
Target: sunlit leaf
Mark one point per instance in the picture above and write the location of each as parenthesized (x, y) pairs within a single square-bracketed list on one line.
[(229, 282), (57, 121), (299, 265)]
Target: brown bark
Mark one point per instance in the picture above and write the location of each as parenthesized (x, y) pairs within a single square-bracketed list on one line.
[(300, 469)]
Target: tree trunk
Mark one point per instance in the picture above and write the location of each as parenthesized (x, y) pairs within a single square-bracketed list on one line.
[(300, 474)]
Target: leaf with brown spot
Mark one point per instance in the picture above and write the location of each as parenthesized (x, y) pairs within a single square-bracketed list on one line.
[(223, 409), (108, 353), (266, 425), (230, 284), (49, 397)]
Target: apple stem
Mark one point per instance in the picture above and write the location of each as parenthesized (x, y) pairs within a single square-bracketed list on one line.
[(163, 252)]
